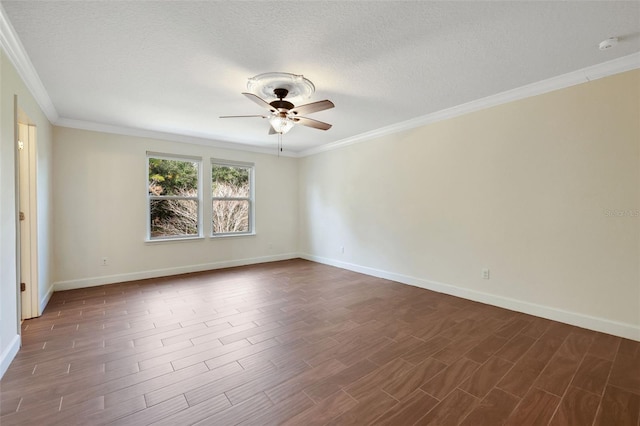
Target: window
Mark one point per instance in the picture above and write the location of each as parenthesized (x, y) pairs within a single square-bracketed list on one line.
[(173, 196), (232, 197)]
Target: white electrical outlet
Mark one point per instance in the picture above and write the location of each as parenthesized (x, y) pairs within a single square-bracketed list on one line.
[(105, 261), (485, 274)]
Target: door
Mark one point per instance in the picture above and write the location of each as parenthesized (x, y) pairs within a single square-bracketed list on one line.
[(27, 219)]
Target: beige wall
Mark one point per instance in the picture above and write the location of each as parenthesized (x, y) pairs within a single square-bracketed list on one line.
[(11, 84), (544, 191), (100, 211)]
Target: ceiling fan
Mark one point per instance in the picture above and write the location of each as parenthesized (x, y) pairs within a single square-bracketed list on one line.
[(284, 114)]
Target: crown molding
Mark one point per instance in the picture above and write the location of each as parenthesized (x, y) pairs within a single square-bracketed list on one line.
[(173, 137), (594, 72), (14, 49)]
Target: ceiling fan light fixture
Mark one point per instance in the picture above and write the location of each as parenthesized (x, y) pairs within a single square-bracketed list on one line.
[(281, 124)]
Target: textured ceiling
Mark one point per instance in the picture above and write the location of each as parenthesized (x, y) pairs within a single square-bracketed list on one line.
[(176, 66)]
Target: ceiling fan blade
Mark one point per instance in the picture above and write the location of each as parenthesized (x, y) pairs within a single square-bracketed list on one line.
[(260, 101), (312, 123), (242, 116), (312, 107)]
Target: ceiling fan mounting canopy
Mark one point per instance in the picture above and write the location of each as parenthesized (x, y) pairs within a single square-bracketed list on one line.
[(299, 88)]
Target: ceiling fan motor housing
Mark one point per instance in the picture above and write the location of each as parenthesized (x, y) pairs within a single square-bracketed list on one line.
[(281, 104)]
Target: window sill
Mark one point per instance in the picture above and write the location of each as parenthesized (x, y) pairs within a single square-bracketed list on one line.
[(247, 234), (173, 240)]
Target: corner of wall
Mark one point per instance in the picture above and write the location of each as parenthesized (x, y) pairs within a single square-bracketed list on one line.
[(9, 354), (44, 300)]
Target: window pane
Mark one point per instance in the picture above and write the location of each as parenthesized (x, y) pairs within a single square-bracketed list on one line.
[(173, 177), (229, 181), (172, 218), (230, 216)]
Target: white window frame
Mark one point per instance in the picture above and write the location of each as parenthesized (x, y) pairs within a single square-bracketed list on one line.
[(199, 198), (250, 198)]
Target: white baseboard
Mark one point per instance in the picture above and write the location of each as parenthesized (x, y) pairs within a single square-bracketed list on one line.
[(629, 331), (604, 325), (155, 273), (9, 354)]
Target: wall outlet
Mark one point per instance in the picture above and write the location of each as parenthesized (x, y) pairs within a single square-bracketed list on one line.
[(485, 274), (105, 261)]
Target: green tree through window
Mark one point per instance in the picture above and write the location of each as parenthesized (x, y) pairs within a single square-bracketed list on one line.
[(173, 197)]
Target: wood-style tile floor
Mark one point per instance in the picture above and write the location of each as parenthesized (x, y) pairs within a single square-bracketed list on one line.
[(300, 343)]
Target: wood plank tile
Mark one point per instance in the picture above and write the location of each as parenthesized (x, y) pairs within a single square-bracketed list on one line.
[(524, 373), (604, 346), (281, 411), (536, 408), (325, 410), (154, 414), (80, 393), (592, 374), (451, 410), (576, 345), (302, 351), (395, 350), (577, 408), (625, 372), (456, 350), (379, 378), (629, 347), (557, 375), (449, 378), (512, 328), (176, 388), (516, 348), (493, 410), (344, 350), (324, 388), (196, 413), (411, 409), (426, 350), (618, 407), (486, 377), (265, 381), (536, 328), (303, 380), (110, 414), (117, 397), (369, 407), (203, 392), (217, 358), (486, 348), (405, 384)]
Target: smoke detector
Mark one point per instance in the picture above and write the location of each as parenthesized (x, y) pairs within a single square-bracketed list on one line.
[(608, 43)]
